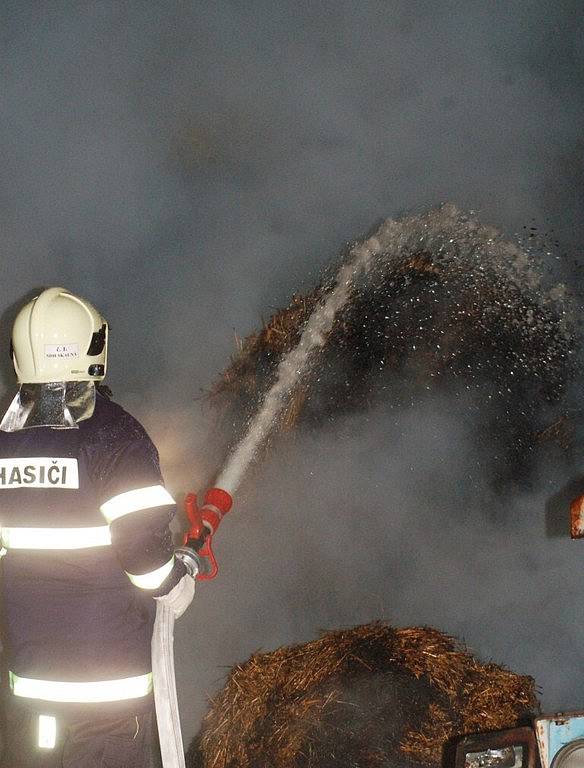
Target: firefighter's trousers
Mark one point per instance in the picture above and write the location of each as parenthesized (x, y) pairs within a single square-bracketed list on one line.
[(122, 742)]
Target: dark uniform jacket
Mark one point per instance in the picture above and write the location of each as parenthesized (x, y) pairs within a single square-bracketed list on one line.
[(85, 525)]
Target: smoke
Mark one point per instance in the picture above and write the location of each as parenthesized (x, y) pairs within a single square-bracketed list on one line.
[(187, 167), (396, 509), (376, 518)]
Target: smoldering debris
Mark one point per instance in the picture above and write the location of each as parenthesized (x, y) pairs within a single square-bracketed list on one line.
[(369, 696), (448, 307)]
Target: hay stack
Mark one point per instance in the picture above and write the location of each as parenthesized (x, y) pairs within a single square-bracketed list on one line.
[(370, 696), (450, 308)]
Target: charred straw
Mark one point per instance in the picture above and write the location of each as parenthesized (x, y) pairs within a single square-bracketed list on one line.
[(368, 696), (449, 307)]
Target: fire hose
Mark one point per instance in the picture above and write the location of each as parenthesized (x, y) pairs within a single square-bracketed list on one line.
[(198, 556)]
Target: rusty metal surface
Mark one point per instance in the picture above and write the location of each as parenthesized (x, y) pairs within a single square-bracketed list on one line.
[(524, 737), (542, 741), (542, 727), (577, 518)]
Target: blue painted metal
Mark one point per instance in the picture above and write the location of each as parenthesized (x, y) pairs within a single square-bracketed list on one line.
[(555, 731)]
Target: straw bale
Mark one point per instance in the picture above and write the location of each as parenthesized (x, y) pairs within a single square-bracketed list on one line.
[(448, 307), (367, 696)]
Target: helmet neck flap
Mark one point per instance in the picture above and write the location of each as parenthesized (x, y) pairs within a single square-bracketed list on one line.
[(57, 404)]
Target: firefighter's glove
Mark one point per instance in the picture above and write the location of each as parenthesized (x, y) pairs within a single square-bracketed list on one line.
[(180, 597)]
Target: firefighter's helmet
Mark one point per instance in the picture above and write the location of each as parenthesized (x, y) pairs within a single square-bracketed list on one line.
[(59, 337)]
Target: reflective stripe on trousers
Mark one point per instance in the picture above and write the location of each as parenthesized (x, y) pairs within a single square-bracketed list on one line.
[(47, 732)]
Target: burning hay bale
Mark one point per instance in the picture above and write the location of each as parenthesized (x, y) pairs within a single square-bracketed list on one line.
[(448, 307), (372, 696)]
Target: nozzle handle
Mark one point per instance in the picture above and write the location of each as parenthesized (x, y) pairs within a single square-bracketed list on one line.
[(197, 529), (204, 521)]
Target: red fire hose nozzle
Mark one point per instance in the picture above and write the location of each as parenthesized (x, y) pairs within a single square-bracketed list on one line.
[(204, 522)]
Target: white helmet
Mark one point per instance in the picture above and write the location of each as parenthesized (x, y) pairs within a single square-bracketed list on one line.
[(59, 337)]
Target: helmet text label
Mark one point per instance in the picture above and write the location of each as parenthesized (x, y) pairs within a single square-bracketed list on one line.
[(61, 351)]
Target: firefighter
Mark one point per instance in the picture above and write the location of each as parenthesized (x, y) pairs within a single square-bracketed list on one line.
[(86, 547)]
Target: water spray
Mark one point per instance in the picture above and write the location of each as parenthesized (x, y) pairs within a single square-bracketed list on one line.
[(218, 500), (197, 551), (296, 363)]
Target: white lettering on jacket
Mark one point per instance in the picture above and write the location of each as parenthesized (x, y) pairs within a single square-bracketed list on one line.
[(38, 472)]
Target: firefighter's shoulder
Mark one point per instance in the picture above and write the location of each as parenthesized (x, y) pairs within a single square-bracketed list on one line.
[(112, 422), (112, 432)]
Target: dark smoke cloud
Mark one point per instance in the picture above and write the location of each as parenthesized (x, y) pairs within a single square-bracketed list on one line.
[(187, 166)]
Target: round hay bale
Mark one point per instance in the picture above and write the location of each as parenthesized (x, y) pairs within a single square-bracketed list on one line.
[(369, 696), (449, 308)]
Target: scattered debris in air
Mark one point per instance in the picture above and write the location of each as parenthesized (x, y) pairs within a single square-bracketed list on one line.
[(449, 307)]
